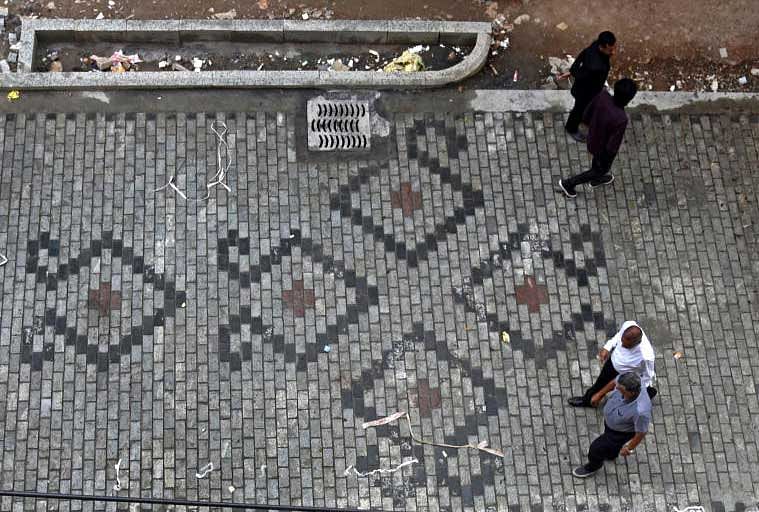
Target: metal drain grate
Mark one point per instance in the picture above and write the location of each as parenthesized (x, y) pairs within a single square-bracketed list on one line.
[(338, 125)]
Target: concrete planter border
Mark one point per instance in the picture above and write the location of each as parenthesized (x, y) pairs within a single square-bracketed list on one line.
[(178, 32)]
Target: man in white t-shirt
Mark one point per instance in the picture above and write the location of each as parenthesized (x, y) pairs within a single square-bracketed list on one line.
[(628, 351)]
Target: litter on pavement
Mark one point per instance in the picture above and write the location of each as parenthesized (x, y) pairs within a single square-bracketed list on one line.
[(482, 446), (204, 471), (380, 471)]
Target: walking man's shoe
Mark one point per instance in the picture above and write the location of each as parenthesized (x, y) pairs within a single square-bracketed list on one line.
[(581, 472), (569, 192), (578, 136), (577, 401), (606, 179)]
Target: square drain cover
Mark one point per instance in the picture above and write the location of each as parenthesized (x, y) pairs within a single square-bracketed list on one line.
[(335, 125)]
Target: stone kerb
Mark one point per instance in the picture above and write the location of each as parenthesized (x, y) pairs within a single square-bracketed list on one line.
[(178, 32)]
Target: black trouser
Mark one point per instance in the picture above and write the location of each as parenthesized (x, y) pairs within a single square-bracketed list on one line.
[(575, 115), (606, 447), (598, 168), (608, 373)]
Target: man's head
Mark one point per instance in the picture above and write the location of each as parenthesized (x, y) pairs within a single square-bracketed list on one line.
[(624, 91), (607, 43), (632, 336), (629, 385)]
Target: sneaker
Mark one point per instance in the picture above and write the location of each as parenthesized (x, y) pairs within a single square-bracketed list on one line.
[(582, 472), (577, 401), (608, 179), (570, 193), (578, 136)]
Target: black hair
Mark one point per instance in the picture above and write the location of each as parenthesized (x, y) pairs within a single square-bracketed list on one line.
[(624, 91), (606, 38)]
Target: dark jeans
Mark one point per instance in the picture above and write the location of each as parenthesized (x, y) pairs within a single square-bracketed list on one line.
[(606, 447), (575, 115), (599, 167), (608, 373)]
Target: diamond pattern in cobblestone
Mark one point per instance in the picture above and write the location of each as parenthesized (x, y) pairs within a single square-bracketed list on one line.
[(260, 329)]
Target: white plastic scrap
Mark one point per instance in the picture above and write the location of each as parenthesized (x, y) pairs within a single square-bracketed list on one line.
[(380, 470), (117, 485), (197, 64), (205, 470), (418, 48), (692, 508)]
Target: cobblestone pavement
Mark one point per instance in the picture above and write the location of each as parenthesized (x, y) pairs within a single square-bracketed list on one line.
[(259, 329)]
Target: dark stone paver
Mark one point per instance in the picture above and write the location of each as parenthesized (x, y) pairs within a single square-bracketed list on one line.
[(137, 325)]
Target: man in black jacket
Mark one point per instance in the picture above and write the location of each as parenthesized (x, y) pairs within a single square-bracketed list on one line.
[(589, 70)]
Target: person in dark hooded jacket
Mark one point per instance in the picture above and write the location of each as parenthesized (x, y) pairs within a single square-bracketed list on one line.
[(607, 122), (590, 71)]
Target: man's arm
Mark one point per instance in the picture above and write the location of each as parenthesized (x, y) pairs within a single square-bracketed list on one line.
[(609, 345), (596, 399), (632, 443)]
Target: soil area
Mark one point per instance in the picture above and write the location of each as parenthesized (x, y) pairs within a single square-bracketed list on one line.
[(664, 45)]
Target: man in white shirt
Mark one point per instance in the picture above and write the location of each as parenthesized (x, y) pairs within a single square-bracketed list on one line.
[(628, 351)]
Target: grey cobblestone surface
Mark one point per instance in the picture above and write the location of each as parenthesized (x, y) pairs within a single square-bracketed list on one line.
[(258, 330)]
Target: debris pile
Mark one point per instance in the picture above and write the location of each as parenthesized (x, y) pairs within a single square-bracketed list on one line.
[(558, 74), (116, 63)]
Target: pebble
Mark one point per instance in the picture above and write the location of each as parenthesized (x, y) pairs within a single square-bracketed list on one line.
[(754, 71)]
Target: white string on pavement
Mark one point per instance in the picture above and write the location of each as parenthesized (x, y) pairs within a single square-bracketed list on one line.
[(171, 184), (482, 445), (223, 164), (381, 470)]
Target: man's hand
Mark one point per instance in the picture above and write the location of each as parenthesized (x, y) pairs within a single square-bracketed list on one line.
[(596, 399), (625, 451), (564, 76), (603, 355)]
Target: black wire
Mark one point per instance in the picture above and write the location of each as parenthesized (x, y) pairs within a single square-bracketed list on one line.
[(169, 501)]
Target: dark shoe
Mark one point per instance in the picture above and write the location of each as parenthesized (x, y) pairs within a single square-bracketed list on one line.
[(578, 401), (569, 192), (608, 179), (582, 472), (578, 136)]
